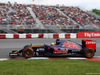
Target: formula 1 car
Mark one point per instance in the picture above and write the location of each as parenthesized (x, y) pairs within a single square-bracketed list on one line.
[(60, 48)]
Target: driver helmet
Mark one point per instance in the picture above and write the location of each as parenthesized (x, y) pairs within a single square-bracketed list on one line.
[(53, 43), (57, 39)]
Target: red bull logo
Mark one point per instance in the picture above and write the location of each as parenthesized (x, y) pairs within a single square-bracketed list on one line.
[(60, 51), (71, 45)]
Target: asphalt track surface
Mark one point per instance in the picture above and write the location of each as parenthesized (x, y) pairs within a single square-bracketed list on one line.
[(7, 45)]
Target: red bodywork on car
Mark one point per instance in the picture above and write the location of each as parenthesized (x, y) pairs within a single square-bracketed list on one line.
[(90, 43)]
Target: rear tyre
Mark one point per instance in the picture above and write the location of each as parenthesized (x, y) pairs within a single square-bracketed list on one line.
[(89, 52), (28, 53)]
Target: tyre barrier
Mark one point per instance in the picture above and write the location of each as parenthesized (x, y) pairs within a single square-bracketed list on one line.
[(40, 35)]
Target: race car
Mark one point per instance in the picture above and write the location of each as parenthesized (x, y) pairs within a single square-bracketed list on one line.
[(60, 48)]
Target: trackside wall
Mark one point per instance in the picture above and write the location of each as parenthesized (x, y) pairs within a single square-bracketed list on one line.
[(40, 35), (88, 35), (52, 35)]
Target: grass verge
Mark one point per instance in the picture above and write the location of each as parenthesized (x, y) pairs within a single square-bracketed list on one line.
[(49, 67)]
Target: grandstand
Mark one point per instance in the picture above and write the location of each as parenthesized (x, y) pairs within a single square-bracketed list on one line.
[(42, 18)]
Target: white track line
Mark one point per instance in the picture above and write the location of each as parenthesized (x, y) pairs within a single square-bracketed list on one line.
[(39, 58), (82, 57), (76, 58), (2, 59)]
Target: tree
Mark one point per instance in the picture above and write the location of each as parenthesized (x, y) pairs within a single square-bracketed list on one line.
[(96, 11)]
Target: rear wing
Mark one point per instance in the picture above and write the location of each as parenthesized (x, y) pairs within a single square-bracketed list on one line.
[(89, 43)]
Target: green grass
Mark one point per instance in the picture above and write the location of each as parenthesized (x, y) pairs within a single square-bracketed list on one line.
[(49, 67)]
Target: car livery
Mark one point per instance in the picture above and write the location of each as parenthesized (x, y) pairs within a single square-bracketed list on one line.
[(61, 48)]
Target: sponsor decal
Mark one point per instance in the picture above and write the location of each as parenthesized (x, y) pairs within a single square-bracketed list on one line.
[(13, 54), (40, 49), (60, 51), (76, 50), (89, 35), (71, 45), (92, 34), (91, 42)]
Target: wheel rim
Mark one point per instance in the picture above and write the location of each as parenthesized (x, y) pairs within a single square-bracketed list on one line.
[(28, 53), (89, 53)]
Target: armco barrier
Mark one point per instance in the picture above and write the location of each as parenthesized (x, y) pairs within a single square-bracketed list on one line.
[(88, 35), (40, 35)]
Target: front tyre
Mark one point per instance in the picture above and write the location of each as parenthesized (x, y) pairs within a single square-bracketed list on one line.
[(89, 52), (28, 53)]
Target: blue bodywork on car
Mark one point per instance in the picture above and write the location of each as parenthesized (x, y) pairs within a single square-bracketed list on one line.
[(70, 45)]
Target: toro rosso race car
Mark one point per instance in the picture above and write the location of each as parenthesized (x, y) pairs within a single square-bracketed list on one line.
[(60, 48)]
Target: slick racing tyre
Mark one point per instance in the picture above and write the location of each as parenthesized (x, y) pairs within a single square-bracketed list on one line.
[(28, 53), (89, 52)]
